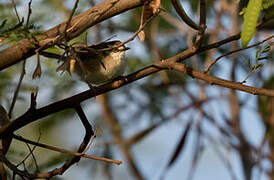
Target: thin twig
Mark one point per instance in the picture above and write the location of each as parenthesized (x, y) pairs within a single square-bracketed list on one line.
[(234, 51), (135, 34), (202, 13), (89, 144), (33, 157), (29, 13), (229, 39), (31, 150), (15, 9), (60, 150), (140, 29), (59, 37), (23, 72), (202, 25), (181, 12), (70, 18), (248, 75), (219, 43), (65, 166)]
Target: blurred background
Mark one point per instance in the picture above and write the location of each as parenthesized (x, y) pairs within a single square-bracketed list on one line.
[(165, 126)]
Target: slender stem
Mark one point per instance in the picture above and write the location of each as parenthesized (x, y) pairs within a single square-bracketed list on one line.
[(202, 13), (181, 12), (60, 150), (15, 95), (29, 13), (70, 18), (234, 51), (15, 9)]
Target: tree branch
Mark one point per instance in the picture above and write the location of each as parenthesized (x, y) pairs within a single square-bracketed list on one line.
[(26, 47), (234, 51), (60, 150), (31, 116), (214, 80)]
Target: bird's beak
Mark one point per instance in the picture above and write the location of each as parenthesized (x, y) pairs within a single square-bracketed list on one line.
[(127, 48)]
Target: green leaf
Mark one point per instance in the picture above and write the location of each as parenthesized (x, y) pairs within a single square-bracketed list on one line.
[(259, 66), (249, 63), (263, 58), (250, 20)]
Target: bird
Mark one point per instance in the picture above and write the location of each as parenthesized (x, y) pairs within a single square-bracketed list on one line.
[(98, 63)]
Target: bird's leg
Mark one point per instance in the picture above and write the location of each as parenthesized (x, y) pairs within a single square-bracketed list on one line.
[(120, 77), (92, 88)]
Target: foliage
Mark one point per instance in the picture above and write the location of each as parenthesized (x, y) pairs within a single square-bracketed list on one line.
[(18, 31), (261, 54), (251, 16)]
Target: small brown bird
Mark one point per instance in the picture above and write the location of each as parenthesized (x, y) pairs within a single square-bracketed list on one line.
[(99, 63)]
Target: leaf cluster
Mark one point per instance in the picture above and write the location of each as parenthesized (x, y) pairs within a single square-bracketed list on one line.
[(263, 53), (17, 31)]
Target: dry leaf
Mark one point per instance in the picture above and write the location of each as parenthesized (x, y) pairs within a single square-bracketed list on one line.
[(142, 36), (37, 72), (148, 11)]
